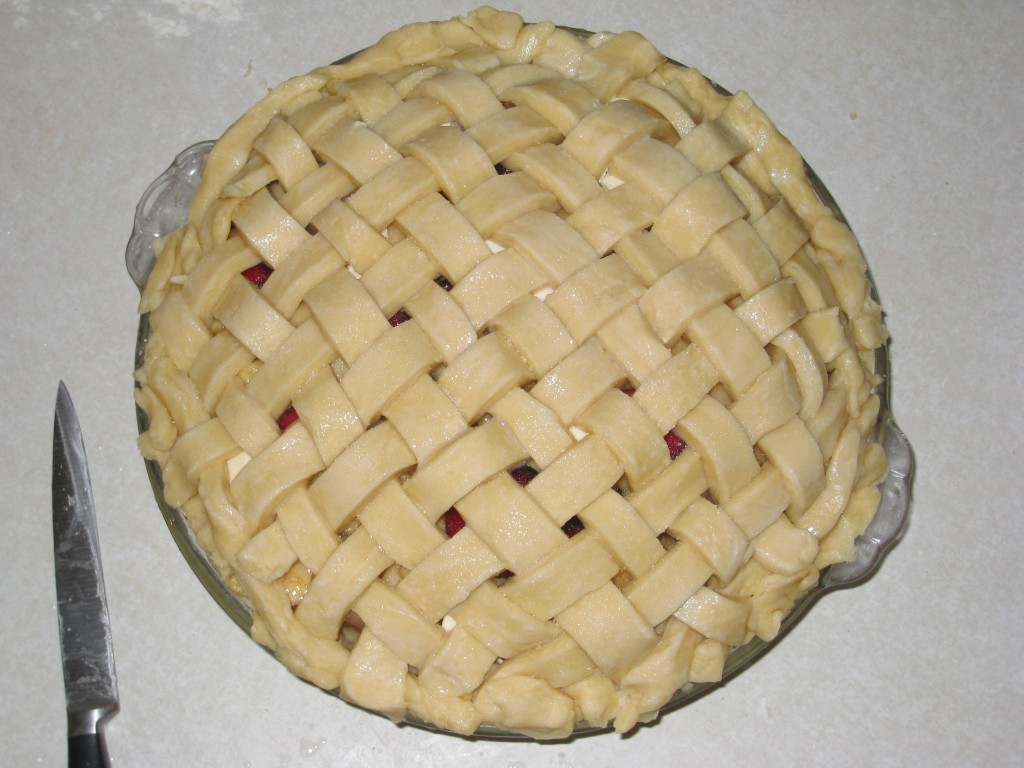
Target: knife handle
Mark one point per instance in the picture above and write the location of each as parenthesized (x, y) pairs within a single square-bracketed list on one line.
[(87, 747), (88, 751)]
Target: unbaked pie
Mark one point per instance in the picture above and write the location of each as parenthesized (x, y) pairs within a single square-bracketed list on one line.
[(513, 376)]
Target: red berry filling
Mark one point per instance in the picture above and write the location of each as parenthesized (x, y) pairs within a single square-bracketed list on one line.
[(399, 317), (287, 418), (572, 526), (675, 444), (258, 274), (453, 522), (444, 282), (523, 474)]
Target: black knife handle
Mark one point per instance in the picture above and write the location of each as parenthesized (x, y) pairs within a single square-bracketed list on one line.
[(89, 750)]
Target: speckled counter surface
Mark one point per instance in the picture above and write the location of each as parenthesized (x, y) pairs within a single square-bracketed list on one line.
[(911, 114)]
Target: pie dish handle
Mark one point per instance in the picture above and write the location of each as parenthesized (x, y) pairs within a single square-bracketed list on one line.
[(890, 521), (163, 208)]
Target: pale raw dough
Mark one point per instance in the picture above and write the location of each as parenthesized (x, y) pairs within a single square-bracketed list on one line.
[(498, 246)]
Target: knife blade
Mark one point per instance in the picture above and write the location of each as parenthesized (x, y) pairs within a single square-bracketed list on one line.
[(90, 683)]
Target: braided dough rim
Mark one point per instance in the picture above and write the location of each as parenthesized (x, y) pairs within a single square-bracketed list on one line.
[(797, 189)]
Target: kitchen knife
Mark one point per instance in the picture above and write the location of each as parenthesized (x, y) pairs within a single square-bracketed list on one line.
[(89, 679)]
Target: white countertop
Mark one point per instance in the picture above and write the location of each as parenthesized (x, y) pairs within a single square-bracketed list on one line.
[(910, 112)]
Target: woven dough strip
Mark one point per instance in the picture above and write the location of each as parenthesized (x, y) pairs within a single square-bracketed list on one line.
[(511, 377)]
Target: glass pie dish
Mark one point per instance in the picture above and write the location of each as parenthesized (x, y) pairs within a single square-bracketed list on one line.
[(164, 207)]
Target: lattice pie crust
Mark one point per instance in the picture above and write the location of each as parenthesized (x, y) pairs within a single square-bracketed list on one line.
[(555, 284)]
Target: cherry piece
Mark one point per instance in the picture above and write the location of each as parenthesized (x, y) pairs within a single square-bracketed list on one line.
[(675, 444), (287, 418), (453, 522), (572, 526), (258, 274), (629, 389), (399, 317), (444, 282), (523, 474)]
